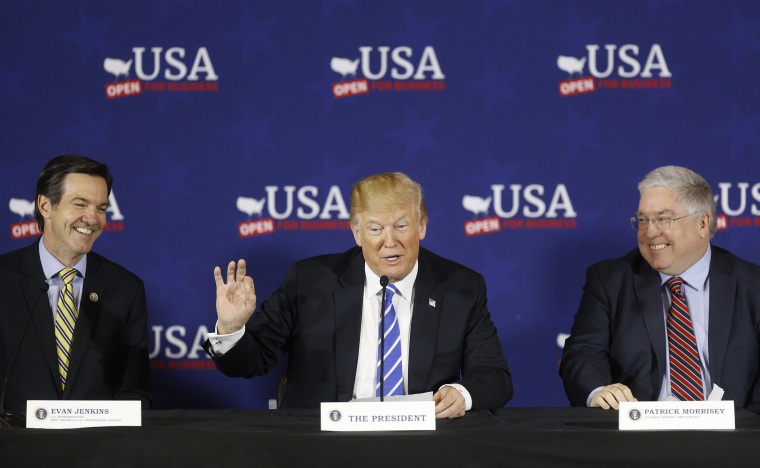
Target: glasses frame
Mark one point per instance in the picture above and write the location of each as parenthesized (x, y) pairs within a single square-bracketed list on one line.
[(636, 223)]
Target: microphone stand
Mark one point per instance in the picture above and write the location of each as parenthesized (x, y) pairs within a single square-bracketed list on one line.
[(384, 284)]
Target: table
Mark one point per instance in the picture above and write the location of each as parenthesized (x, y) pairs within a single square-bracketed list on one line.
[(506, 437)]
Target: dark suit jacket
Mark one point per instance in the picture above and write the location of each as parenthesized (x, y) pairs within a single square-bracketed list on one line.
[(109, 357), (619, 330), (315, 316)]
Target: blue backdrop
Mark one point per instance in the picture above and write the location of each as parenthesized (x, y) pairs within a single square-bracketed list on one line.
[(235, 130)]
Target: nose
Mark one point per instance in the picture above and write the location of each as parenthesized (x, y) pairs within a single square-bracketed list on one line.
[(91, 215), (389, 238), (652, 230)]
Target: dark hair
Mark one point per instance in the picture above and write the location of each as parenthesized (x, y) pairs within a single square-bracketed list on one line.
[(50, 182)]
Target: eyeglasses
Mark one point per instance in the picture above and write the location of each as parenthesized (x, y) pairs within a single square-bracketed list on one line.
[(659, 223)]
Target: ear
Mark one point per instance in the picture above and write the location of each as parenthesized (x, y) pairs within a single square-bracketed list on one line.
[(45, 206), (423, 230), (357, 237), (704, 226)]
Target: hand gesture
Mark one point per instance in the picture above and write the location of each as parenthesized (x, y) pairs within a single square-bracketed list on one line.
[(235, 300)]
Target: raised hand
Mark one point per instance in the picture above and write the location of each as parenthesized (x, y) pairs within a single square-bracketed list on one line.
[(235, 299)]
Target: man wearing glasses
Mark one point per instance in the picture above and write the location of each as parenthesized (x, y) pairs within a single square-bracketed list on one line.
[(676, 318)]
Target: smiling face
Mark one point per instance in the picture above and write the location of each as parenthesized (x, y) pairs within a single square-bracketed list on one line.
[(671, 251), (72, 225), (390, 240)]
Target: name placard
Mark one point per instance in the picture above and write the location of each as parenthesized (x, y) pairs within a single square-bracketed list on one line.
[(378, 416), (71, 414), (676, 415)]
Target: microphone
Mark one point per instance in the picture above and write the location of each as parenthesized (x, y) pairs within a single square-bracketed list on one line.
[(9, 418), (384, 284)]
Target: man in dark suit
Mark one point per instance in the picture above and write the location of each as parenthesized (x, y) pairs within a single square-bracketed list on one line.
[(100, 350), (326, 314), (628, 343)]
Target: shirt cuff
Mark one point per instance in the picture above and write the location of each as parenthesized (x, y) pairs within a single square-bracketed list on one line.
[(591, 396), (464, 392), (220, 344)]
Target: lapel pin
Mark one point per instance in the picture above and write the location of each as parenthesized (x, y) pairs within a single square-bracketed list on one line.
[(93, 297), (431, 302)]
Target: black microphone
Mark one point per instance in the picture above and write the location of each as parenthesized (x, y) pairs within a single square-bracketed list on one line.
[(9, 418), (384, 284)]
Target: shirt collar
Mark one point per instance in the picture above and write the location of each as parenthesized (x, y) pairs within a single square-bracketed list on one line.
[(51, 266), (696, 275), (405, 286)]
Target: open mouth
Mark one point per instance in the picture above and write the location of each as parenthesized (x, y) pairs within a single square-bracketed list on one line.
[(84, 231)]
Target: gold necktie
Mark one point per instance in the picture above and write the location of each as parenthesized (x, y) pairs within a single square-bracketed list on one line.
[(65, 321)]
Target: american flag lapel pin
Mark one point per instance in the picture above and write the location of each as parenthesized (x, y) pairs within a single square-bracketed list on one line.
[(431, 302)]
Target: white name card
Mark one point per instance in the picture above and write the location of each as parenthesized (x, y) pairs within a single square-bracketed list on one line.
[(378, 416), (676, 415), (72, 414)]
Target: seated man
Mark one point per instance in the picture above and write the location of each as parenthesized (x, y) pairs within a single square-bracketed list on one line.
[(75, 321), (674, 317), (326, 315)]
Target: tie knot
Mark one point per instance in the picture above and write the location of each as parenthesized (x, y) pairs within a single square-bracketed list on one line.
[(675, 284), (390, 291), (67, 275)]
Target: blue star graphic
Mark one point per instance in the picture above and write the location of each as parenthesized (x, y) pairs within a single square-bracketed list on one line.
[(493, 5), (741, 131), (743, 36), (654, 6), (253, 132), (578, 133), (577, 34), (166, 266), (90, 36), (496, 86), (164, 5), (169, 179), (11, 88), (253, 36), (415, 33), (342, 174), (329, 6), (90, 132), (416, 134)]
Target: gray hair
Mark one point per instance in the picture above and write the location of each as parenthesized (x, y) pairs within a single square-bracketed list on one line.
[(691, 190)]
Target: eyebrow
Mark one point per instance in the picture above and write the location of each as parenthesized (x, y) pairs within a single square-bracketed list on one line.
[(658, 213), (404, 217), (87, 201)]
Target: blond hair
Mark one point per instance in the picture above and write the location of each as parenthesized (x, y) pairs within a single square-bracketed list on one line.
[(380, 191)]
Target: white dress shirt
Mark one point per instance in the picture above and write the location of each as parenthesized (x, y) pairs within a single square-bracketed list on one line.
[(51, 267), (366, 365)]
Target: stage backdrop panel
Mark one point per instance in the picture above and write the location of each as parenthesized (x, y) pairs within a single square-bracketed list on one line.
[(235, 130)]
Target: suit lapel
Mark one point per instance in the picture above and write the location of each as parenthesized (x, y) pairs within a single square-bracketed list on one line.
[(426, 313), (722, 292), (646, 284), (348, 322), (34, 278), (89, 309)]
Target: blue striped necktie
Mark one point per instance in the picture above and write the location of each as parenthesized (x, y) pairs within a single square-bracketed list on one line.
[(65, 321), (393, 383), (685, 367)]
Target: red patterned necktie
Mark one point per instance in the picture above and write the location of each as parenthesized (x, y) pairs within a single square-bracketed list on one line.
[(685, 367)]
